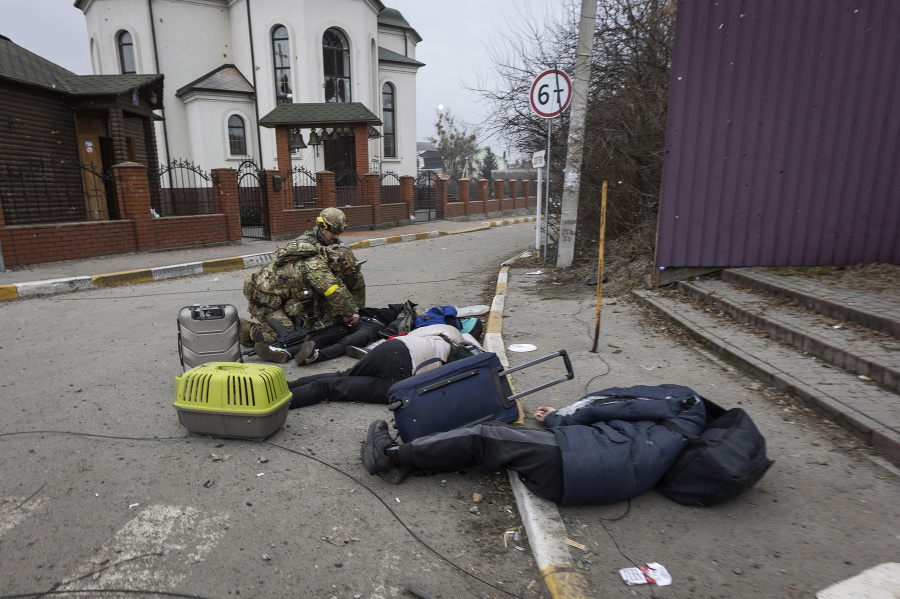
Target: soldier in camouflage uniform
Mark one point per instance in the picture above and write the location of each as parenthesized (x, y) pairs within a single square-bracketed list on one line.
[(311, 281)]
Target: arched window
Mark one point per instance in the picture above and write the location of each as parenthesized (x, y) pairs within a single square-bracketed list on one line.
[(237, 136), (387, 115), (281, 58), (126, 53), (336, 54)]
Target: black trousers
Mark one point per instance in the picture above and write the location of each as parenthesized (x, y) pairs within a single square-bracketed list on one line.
[(534, 454), (333, 341), (368, 381)]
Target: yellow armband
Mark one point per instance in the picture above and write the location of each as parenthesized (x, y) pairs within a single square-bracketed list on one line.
[(331, 289)]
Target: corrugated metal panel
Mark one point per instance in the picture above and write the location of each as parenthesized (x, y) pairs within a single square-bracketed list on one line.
[(783, 135)]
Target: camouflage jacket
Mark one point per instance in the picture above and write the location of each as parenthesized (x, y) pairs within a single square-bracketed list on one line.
[(300, 282)]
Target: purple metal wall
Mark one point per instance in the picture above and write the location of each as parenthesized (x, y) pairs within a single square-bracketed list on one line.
[(783, 136)]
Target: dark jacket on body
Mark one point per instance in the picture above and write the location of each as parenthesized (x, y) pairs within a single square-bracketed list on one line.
[(613, 448)]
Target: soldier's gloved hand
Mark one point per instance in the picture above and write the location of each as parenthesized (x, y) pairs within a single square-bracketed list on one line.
[(351, 320)]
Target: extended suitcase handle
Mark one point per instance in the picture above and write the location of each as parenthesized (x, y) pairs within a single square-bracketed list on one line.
[(568, 377)]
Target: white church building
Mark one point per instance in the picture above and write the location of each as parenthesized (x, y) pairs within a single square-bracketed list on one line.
[(229, 64)]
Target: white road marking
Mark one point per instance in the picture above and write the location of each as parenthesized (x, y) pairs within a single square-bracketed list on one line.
[(151, 551), (13, 510)]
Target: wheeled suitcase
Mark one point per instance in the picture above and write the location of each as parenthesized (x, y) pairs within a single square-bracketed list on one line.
[(462, 393), (208, 333)]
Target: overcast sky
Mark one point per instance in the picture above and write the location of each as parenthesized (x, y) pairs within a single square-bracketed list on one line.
[(453, 34)]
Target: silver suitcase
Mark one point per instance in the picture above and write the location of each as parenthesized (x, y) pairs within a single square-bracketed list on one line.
[(208, 333)]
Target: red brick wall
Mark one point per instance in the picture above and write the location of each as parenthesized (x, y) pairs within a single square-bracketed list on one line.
[(475, 208), (34, 244), (389, 213), (138, 231), (454, 209), (300, 220)]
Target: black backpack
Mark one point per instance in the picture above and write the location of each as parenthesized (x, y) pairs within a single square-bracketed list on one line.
[(726, 459)]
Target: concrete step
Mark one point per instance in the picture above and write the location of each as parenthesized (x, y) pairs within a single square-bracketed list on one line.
[(877, 309), (864, 407), (844, 344)]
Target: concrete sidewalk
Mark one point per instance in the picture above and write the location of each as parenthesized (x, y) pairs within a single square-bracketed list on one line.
[(124, 269)]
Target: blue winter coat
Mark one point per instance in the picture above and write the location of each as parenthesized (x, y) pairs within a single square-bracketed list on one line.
[(613, 448)]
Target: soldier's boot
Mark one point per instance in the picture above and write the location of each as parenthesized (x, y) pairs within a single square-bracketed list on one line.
[(271, 353), (246, 333), (307, 354)]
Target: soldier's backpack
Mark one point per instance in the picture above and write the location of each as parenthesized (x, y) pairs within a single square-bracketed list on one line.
[(297, 248)]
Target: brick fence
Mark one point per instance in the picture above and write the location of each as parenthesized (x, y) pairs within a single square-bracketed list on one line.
[(137, 230)]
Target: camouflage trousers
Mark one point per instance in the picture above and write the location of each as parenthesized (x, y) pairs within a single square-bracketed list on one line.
[(265, 331)]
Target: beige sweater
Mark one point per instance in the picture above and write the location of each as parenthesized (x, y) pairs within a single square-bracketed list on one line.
[(425, 343)]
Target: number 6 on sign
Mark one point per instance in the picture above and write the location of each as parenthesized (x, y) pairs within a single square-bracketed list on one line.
[(550, 93)]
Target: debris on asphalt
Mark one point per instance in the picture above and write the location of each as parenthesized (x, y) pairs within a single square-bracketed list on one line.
[(263, 460), (474, 510), (410, 588), (208, 484), (340, 538), (652, 572), (575, 544), (133, 505), (266, 557), (219, 458), (476, 497)]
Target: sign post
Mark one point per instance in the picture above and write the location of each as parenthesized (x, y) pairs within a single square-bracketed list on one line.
[(537, 161), (550, 94)]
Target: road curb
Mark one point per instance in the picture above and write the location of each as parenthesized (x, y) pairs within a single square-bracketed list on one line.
[(543, 524), (81, 283)]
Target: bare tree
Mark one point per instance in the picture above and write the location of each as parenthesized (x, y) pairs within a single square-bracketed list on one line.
[(626, 118), (456, 142)]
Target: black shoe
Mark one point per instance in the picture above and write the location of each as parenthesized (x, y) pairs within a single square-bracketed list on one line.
[(356, 352), (271, 353), (375, 456)]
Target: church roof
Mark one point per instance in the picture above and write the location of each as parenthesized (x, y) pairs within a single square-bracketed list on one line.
[(226, 79), (320, 114), (391, 17), (385, 55)]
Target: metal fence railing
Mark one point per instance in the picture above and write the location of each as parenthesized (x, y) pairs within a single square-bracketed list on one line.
[(51, 190), (390, 188), (346, 186), (303, 186), (181, 188)]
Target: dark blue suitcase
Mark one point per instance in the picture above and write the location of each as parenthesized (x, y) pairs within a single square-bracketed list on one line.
[(462, 393)]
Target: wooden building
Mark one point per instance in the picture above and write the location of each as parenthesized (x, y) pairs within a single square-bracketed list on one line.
[(63, 132)]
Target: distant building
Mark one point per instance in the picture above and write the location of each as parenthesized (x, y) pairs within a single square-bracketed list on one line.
[(230, 63)]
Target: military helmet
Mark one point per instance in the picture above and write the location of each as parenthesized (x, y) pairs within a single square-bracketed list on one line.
[(341, 260), (332, 219)]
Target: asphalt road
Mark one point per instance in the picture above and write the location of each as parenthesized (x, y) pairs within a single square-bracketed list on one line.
[(120, 500), (115, 496)]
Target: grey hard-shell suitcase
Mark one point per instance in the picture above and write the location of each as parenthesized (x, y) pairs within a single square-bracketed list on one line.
[(208, 333)]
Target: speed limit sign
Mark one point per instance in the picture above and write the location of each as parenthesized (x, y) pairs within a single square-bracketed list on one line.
[(551, 93)]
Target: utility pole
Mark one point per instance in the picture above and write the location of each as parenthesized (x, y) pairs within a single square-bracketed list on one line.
[(580, 88)]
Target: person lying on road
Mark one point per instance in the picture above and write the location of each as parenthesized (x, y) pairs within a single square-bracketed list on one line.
[(604, 448)]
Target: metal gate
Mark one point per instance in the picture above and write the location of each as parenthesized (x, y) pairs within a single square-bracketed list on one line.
[(425, 203), (254, 204)]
